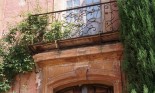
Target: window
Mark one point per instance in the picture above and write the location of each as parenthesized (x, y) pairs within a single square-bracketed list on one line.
[(73, 13), (73, 3), (93, 18), (88, 2), (87, 19), (76, 3)]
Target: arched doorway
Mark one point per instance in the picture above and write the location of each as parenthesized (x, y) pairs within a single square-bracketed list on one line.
[(87, 88)]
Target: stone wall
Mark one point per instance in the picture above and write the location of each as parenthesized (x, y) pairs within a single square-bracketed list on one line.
[(77, 66), (24, 83)]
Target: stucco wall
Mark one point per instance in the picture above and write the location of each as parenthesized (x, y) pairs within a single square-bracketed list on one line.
[(24, 83), (12, 11)]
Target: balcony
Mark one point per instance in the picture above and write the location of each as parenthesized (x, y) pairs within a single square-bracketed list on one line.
[(88, 25)]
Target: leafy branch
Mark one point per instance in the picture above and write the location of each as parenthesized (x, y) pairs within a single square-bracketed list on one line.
[(137, 34), (14, 51)]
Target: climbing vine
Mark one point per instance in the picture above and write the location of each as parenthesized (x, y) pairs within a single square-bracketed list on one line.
[(138, 38), (14, 52)]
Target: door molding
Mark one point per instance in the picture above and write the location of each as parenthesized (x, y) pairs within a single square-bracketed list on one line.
[(72, 80)]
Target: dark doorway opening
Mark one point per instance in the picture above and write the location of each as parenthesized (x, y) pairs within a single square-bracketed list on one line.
[(88, 88)]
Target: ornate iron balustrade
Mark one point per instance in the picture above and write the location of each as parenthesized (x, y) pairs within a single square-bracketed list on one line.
[(87, 20)]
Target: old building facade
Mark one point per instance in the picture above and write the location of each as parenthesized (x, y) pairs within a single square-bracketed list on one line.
[(88, 61)]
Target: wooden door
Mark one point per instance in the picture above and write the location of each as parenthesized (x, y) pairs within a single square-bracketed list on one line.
[(88, 89)]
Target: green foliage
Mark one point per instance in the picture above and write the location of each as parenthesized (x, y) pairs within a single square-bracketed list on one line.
[(138, 34), (145, 90), (57, 31), (4, 86), (133, 91), (14, 52), (28, 31)]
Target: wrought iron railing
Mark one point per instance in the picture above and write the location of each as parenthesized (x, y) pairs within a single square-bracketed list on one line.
[(87, 20)]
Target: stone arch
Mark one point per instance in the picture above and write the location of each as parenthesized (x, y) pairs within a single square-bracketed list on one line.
[(84, 76)]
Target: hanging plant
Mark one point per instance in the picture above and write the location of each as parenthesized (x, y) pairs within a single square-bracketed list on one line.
[(14, 51), (57, 31)]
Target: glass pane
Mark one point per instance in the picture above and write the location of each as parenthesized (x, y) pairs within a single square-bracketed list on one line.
[(92, 1), (97, 13), (76, 2), (69, 4), (84, 90), (68, 16), (96, 1), (93, 12), (89, 14), (89, 2)]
